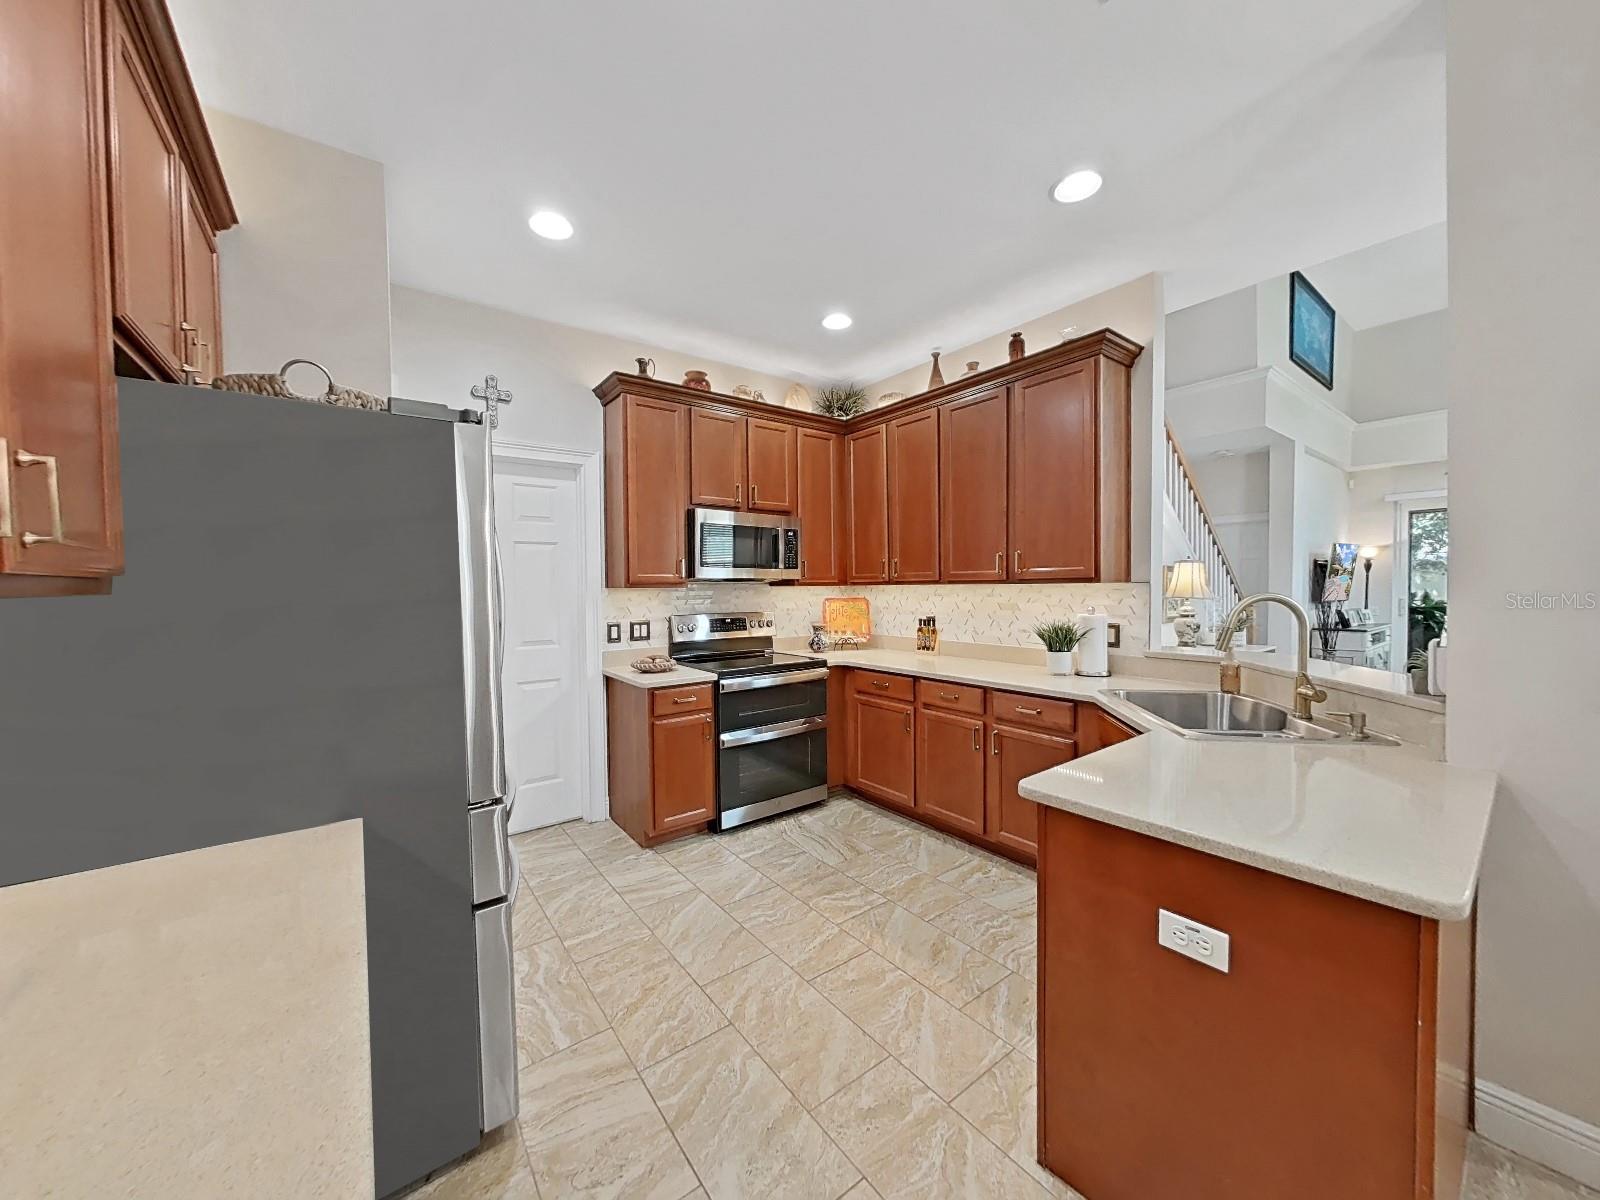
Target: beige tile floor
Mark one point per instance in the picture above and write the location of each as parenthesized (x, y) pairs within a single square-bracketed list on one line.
[(834, 1003)]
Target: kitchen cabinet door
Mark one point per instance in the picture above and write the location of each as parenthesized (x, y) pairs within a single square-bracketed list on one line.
[(1014, 754), (819, 486), (716, 459), (867, 467), (973, 451), (883, 761), (202, 304), (683, 770), (58, 427), (914, 498), (655, 490), (769, 450), (950, 768), (146, 240), (1054, 510)]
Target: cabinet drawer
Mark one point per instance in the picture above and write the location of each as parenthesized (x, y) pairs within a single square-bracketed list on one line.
[(666, 702), (1034, 712), (876, 683), (952, 697)]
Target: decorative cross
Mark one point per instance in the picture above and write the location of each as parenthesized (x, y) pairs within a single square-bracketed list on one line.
[(493, 397)]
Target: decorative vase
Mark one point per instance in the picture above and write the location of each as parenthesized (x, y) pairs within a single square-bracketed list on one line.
[(647, 367), (936, 376), (819, 638), (972, 366), (1058, 662), (696, 380), (1017, 347)]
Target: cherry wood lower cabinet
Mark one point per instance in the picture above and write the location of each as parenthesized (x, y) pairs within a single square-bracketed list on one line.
[(950, 769), (1329, 1062), (881, 751), (662, 758), (1014, 754)]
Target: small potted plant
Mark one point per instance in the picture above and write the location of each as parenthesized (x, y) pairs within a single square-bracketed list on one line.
[(1059, 638)]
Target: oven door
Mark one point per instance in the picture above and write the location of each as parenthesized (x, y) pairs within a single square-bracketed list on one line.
[(772, 744)]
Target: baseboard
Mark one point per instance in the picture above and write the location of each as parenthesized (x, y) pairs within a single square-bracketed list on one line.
[(1558, 1140)]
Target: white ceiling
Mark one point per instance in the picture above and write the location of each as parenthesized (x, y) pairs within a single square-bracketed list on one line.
[(738, 168), (1403, 277)]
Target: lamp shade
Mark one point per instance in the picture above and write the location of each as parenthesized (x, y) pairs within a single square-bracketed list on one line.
[(1369, 552), (1188, 580)]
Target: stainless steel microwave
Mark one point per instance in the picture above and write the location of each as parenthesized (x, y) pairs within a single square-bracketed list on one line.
[(724, 544)]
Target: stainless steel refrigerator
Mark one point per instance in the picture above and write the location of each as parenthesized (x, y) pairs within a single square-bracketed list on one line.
[(308, 631)]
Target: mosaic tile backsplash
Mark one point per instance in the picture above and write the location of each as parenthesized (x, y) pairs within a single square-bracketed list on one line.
[(994, 614)]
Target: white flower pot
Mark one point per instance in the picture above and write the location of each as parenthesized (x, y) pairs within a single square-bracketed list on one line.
[(1058, 662)]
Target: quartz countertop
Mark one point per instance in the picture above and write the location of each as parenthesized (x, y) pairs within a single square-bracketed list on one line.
[(1384, 823), (679, 677)]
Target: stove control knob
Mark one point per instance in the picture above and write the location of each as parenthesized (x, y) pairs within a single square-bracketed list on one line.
[(769, 622)]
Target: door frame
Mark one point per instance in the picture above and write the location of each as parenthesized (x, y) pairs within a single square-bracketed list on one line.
[(1405, 503), (585, 465)]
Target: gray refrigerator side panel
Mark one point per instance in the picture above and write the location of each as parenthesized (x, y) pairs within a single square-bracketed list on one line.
[(284, 651)]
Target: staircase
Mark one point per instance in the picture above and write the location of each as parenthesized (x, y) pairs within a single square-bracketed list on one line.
[(1200, 531)]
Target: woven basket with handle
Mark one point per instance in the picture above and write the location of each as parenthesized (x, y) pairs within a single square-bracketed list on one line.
[(277, 385)]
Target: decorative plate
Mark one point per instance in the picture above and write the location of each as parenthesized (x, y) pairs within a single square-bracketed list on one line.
[(847, 615), (797, 398)]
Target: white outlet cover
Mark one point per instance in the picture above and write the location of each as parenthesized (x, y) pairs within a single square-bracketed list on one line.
[(1192, 940)]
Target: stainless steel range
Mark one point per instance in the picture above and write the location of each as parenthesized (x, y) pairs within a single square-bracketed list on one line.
[(772, 714)]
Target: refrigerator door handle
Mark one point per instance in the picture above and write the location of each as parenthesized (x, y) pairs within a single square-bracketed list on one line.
[(480, 586)]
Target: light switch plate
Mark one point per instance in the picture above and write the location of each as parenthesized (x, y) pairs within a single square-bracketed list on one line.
[(638, 631), (613, 633), (1193, 940)]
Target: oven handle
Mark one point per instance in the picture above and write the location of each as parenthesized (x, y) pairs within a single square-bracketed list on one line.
[(770, 733), (751, 683)]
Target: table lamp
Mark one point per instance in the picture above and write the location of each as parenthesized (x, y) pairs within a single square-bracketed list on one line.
[(1187, 582)]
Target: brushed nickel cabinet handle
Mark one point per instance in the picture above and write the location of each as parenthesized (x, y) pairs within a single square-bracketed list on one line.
[(738, 494), (803, 570), (883, 566), (683, 699), (896, 568), (879, 683), (999, 562), (5, 488), (977, 736), (682, 573), (908, 721), (994, 741), (191, 346), (752, 493), (708, 730), (1017, 559), (52, 479), (1032, 712), (949, 696)]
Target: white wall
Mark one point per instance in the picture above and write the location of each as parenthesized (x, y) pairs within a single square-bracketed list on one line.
[(1237, 493), (1321, 517), (305, 273), (443, 346), (1213, 339), (1523, 101), (1125, 308), (1400, 368)]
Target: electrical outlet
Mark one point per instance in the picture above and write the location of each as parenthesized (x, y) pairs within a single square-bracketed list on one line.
[(638, 631), (613, 633), (1113, 636), (1193, 940)]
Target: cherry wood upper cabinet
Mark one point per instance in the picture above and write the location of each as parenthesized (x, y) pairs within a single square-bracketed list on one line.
[(60, 508), (716, 459), (770, 451), (1014, 754), (1054, 475), (683, 770), (914, 498), (647, 492), (973, 451), (867, 466), (202, 297), (819, 482), (146, 204), (951, 768)]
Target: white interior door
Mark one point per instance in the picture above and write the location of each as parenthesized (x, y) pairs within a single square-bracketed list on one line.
[(546, 716)]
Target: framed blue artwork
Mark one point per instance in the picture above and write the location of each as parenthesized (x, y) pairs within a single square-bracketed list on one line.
[(1310, 330)]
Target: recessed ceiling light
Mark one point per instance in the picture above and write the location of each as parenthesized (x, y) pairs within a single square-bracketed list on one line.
[(551, 225), (1080, 185), (837, 320)]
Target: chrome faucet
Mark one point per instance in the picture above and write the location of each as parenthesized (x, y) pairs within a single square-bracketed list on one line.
[(1306, 693)]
